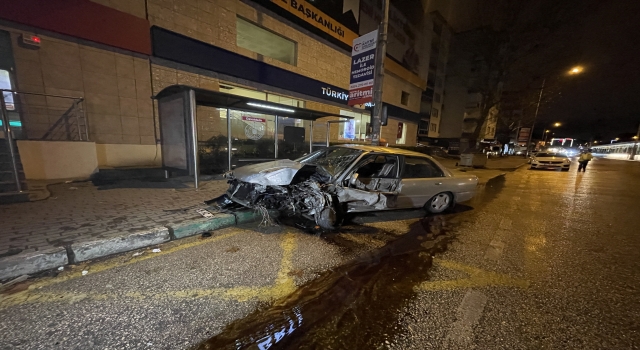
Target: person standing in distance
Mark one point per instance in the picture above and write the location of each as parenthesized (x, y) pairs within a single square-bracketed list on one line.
[(584, 159)]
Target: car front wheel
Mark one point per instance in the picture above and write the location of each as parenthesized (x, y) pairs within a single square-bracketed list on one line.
[(439, 203)]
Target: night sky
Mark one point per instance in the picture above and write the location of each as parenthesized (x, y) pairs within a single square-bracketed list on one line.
[(600, 103), (604, 100)]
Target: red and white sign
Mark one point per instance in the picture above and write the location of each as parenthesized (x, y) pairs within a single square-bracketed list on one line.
[(363, 56), (252, 119)]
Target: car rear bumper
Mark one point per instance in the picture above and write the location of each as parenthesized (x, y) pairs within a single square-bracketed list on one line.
[(464, 196)]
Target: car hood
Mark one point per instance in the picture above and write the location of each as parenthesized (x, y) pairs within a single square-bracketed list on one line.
[(274, 173)]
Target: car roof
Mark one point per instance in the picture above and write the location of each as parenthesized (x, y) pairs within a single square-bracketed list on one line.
[(381, 149)]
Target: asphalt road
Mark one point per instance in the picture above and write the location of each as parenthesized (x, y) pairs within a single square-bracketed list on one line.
[(551, 263), (542, 259)]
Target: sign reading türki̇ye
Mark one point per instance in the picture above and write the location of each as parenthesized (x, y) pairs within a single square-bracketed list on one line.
[(363, 58)]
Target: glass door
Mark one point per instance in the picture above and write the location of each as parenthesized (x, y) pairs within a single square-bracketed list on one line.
[(293, 137), (252, 137)]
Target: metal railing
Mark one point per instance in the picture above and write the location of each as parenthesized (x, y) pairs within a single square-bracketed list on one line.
[(50, 117)]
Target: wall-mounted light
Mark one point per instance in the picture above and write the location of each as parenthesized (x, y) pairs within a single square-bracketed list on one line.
[(259, 105), (30, 40)]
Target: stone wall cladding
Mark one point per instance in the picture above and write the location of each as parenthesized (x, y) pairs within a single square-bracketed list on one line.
[(116, 87), (214, 22)]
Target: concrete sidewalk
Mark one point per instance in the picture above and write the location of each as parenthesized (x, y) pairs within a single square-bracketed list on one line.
[(82, 221)]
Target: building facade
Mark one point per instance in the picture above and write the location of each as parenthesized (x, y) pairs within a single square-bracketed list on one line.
[(467, 76), (94, 66)]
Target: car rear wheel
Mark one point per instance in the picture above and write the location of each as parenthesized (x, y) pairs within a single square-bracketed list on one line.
[(439, 203)]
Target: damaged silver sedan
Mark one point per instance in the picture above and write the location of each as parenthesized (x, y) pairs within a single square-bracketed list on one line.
[(326, 184)]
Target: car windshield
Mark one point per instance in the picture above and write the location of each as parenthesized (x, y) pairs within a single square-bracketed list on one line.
[(549, 155), (333, 159)]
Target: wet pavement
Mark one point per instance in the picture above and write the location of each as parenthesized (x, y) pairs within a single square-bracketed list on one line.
[(541, 259)]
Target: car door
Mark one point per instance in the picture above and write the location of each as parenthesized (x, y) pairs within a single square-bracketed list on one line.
[(372, 184), (421, 180)]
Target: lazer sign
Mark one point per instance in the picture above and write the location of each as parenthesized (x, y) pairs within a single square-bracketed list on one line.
[(363, 58)]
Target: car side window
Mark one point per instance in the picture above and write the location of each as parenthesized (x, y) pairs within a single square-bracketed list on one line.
[(378, 166), (417, 167)]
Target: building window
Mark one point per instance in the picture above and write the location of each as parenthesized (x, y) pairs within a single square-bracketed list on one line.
[(436, 98), (423, 127), (434, 127), (401, 137), (264, 42), (404, 98), (356, 129), (434, 113)]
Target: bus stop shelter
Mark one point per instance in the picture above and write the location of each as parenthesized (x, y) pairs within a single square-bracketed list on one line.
[(248, 130)]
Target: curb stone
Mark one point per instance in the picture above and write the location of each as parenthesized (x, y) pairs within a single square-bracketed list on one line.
[(32, 262), (99, 248)]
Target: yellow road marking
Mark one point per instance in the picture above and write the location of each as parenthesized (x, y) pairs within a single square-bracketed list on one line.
[(113, 263), (477, 278), (283, 286)]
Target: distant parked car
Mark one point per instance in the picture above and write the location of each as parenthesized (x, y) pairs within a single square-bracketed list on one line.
[(545, 160), (325, 184)]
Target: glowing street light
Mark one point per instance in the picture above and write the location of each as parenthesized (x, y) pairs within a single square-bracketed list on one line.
[(576, 70), (635, 137), (557, 124)]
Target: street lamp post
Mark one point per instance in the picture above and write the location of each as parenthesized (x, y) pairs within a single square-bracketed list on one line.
[(378, 81), (546, 133), (535, 116)]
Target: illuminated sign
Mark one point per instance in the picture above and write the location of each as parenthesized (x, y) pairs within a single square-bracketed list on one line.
[(363, 58), (327, 91), (310, 14)]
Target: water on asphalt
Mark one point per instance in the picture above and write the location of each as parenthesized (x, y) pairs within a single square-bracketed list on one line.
[(354, 305)]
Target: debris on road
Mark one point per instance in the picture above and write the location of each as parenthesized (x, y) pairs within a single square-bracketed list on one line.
[(61, 268), (138, 253), (157, 250), (85, 272), (205, 213)]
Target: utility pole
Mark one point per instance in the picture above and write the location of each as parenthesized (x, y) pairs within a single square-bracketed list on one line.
[(535, 116), (379, 69)]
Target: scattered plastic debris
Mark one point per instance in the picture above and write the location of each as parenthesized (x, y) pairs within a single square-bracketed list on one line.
[(85, 272), (61, 268), (205, 213), (68, 181), (73, 188), (156, 250), (206, 234), (138, 254)]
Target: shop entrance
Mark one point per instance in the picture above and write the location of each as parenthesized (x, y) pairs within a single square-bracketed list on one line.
[(256, 130)]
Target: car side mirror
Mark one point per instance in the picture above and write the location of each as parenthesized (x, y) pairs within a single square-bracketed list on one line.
[(353, 179)]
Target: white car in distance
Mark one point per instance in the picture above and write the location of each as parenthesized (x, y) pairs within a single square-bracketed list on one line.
[(547, 160)]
